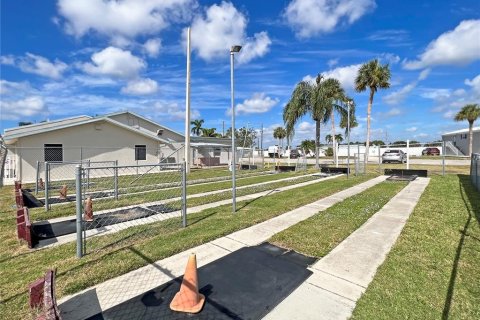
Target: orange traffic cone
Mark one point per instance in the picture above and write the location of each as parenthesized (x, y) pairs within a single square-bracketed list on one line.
[(188, 299), (88, 210), (63, 192)]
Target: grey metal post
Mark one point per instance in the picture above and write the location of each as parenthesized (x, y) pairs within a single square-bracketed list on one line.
[(443, 158), (79, 203), (261, 148), (408, 154), (348, 139), (115, 179), (47, 184), (88, 174), (37, 177), (232, 102), (184, 195), (379, 159)]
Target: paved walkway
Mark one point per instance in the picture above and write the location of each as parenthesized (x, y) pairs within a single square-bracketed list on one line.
[(340, 278), (163, 216), (117, 290)]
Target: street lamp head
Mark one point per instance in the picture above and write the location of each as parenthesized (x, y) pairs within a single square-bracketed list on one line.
[(235, 49)]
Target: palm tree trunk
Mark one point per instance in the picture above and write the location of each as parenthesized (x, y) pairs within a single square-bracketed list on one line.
[(470, 138), (333, 137), (369, 111), (317, 143)]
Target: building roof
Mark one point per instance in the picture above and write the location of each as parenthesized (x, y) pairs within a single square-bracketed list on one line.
[(44, 125), (475, 129), (143, 118), (12, 134)]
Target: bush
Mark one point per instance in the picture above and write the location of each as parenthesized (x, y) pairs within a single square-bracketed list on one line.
[(329, 152)]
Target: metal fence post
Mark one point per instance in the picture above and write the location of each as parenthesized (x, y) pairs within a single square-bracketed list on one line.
[(408, 154), (47, 184), (115, 179), (379, 159), (79, 202), (184, 194), (37, 177), (443, 158)]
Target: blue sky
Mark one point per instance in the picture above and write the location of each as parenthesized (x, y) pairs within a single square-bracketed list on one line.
[(68, 57)]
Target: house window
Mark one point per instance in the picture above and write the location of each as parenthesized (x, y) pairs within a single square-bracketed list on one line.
[(217, 152), (140, 152), (53, 152)]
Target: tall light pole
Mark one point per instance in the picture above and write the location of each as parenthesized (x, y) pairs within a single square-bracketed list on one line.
[(233, 49), (348, 137)]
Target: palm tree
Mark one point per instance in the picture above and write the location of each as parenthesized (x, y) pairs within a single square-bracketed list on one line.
[(372, 75), (335, 102), (280, 134), (307, 146), (470, 112), (339, 138), (328, 138), (197, 127), (306, 99), (209, 132)]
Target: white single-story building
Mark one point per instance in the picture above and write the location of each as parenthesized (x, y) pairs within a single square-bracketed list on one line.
[(125, 137), (459, 140)]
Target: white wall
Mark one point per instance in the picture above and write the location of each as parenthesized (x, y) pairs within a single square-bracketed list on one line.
[(100, 141)]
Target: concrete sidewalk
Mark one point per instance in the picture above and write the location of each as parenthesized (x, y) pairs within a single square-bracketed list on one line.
[(117, 290), (340, 278)]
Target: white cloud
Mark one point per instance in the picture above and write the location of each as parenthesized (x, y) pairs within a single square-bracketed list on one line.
[(259, 103), (172, 111), (311, 17), (8, 60), (390, 58), (346, 75), (222, 26), (305, 128), (141, 87), (152, 47), (475, 85), (122, 19), (114, 62), (31, 63), (7, 87), (460, 46), (393, 112), (20, 109), (411, 129), (398, 96), (332, 62)]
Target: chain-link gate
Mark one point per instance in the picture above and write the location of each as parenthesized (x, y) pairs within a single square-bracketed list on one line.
[(123, 204), (475, 170), (58, 182)]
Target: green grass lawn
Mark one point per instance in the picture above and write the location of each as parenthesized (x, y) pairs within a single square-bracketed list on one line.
[(319, 234), (19, 266), (433, 270)]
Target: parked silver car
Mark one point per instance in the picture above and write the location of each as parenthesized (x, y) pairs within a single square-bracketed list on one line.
[(394, 156)]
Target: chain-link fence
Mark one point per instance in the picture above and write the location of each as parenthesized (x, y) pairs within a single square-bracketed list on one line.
[(124, 201), (475, 170), (58, 182)]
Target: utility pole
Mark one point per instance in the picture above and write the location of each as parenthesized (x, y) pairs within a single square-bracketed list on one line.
[(223, 128)]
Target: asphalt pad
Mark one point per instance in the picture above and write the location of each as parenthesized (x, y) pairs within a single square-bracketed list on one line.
[(246, 284), (45, 231)]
